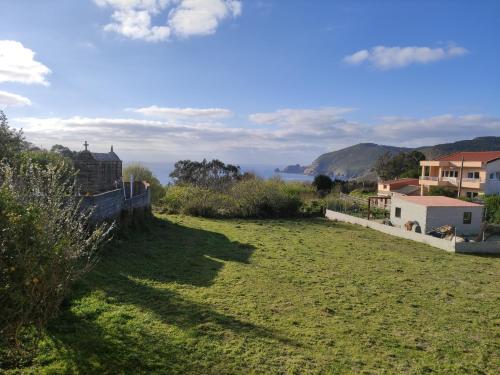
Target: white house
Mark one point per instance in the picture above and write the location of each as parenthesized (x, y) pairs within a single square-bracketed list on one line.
[(434, 211)]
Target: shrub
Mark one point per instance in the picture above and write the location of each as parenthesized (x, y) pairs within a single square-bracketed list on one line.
[(323, 183), (439, 190), (142, 173), (246, 198), (46, 243), (492, 206), (264, 198)]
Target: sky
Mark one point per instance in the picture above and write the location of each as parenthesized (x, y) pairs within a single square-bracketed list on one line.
[(249, 81)]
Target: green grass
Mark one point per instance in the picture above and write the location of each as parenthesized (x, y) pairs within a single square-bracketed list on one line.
[(285, 296)]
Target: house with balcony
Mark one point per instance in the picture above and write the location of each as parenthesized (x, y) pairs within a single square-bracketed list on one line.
[(469, 174)]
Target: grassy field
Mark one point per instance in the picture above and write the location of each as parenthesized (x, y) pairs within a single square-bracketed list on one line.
[(286, 296)]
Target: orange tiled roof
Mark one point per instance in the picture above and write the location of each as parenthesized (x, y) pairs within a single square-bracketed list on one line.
[(438, 201), (483, 156)]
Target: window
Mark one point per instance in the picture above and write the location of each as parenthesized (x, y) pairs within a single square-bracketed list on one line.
[(473, 175), (467, 217), (492, 176), (472, 194), (398, 212)]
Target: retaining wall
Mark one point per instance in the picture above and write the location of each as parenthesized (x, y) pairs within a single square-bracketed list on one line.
[(459, 247)]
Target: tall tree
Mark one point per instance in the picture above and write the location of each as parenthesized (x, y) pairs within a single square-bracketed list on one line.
[(142, 173), (11, 141), (210, 174), (404, 164)]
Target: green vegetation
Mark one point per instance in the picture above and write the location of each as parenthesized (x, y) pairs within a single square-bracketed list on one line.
[(142, 173), (404, 164), (45, 245), (206, 296), (249, 197), (323, 183), (492, 206), (444, 191)]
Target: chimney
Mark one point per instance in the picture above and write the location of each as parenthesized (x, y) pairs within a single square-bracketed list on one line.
[(112, 148)]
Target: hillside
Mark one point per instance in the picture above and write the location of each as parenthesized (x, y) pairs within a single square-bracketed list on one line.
[(352, 161), (358, 160)]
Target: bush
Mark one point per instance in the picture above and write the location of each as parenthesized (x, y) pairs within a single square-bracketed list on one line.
[(265, 198), (45, 244), (323, 183), (142, 173), (246, 198), (492, 206), (439, 190)]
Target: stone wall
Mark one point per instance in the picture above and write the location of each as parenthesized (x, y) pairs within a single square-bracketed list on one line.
[(110, 205)]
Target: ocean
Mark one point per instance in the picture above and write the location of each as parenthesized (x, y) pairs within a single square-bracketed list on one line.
[(162, 171)]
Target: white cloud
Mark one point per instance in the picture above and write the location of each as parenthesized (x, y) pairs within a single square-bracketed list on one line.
[(18, 64), (8, 99), (385, 58), (287, 137), (184, 113), (201, 17), (136, 24), (301, 118), (184, 18), (444, 128)]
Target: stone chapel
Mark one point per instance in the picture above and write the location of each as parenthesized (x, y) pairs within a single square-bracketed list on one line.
[(98, 172)]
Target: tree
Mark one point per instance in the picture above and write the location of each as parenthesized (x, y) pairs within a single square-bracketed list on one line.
[(63, 151), (46, 243), (404, 164), (381, 165), (142, 173), (11, 141), (209, 174), (323, 183)]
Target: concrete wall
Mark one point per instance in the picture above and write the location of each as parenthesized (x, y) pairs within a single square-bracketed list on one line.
[(460, 247), (409, 212), (393, 231), (438, 216)]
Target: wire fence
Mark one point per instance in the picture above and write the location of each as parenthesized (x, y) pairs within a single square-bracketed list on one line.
[(356, 206)]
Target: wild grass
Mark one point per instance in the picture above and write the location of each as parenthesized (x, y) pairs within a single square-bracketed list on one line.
[(205, 296)]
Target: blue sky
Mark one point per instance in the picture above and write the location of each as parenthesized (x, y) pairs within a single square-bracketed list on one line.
[(250, 81)]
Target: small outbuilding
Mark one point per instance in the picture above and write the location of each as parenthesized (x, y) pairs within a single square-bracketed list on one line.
[(428, 212)]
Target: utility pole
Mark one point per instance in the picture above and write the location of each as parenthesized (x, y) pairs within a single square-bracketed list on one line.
[(461, 176)]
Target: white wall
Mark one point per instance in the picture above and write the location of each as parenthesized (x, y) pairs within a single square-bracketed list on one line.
[(492, 186), (437, 216), (459, 247), (409, 212)]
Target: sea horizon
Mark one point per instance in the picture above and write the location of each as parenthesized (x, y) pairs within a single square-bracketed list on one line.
[(162, 170)]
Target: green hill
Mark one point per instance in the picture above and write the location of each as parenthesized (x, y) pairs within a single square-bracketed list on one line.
[(358, 160)]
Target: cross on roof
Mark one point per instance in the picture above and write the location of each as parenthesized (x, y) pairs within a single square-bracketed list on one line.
[(86, 145)]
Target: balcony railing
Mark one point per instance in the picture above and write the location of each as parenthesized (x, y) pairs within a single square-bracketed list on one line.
[(452, 180)]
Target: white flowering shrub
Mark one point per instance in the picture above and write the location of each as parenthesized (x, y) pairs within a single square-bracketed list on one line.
[(46, 243)]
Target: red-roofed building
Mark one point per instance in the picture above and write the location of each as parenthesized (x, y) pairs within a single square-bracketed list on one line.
[(429, 212), (471, 173), (402, 186)]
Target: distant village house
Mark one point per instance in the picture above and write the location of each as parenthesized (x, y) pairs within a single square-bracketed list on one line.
[(469, 174)]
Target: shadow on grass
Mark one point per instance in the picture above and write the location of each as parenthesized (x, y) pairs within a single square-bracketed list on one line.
[(128, 274)]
